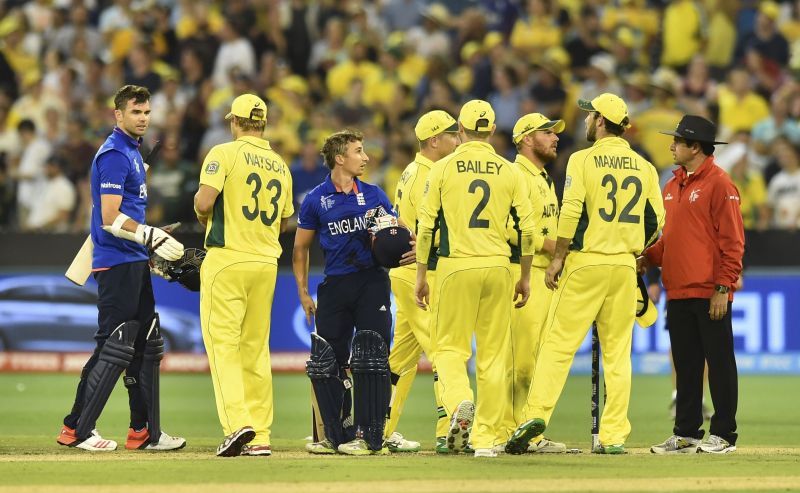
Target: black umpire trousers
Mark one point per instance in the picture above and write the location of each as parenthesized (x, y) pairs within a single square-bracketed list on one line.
[(695, 340), (124, 293)]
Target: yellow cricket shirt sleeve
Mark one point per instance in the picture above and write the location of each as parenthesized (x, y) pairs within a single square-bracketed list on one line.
[(428, 213), (574, 196), (215, 169), (654, 213), (523, 217)]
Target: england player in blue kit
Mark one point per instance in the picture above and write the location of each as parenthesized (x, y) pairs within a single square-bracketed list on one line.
[(355, 294), (128, 337)]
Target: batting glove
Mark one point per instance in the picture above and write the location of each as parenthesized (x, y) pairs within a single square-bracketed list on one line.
[(159, 241)]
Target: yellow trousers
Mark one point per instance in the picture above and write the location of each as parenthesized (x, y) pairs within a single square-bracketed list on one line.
[(411, 339), (236, 294), (526, 334), (599, 288), (473, 299)]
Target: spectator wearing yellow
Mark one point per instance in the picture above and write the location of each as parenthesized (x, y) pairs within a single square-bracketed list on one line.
[(740, 108), (536, 30), (663, 113), (356, 66), (682, 32)]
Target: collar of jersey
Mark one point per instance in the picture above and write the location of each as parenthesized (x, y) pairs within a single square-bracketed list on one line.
[(476, 144), (612, 140), (528, 165), (419, 158), (255, 140), (330, 187), (681, 174), (135, 143)]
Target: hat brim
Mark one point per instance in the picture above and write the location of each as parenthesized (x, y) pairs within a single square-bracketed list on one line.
[(557, 126), (229, 116), (585, 105), (674, 133)]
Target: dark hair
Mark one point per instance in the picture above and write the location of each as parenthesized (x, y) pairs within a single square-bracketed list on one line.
[(615, 129), (336, 145), (26, 125), (138, 94), (706, 147)]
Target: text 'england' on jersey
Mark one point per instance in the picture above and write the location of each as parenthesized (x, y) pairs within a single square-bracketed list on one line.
[(117, 169), (255, 194), (341, 223)]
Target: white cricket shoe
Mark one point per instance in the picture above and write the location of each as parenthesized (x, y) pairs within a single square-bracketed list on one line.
[(167, 442), (676, 445), (397, 443), (460, 425), (546, 446), (715, 445), (96, 443)]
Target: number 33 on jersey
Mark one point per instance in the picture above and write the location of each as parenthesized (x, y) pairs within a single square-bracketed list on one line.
[(255, 193), (612, 202)]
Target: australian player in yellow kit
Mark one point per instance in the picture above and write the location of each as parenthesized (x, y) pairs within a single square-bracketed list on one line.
[(536, 139), (611, 210), (437, 133), (244, 200), (469, 197)]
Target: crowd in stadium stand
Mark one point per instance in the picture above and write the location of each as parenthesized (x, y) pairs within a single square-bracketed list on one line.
[(376, 66)]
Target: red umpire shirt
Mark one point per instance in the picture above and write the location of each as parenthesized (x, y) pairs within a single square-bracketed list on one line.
[(703, 240)]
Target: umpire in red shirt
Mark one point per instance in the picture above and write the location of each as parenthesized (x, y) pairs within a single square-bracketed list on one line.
[(700, 253)]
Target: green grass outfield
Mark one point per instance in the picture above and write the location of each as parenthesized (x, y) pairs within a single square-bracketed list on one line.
[(32, 405)]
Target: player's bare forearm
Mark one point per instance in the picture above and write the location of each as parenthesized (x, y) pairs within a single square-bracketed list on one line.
[(109, 206), (561, 248), (302, 244), (525, 263)]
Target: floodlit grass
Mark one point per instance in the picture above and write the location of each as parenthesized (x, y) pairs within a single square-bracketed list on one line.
[(32, 406)]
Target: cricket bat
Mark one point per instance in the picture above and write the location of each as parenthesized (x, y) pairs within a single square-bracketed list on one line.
[(81, 267)]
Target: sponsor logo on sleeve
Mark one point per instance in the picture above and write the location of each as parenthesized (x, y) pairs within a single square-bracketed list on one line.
[(108, 184), (212, 168)]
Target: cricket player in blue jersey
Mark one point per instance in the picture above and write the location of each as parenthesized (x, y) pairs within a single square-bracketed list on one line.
[(355, 294), (128, 336)]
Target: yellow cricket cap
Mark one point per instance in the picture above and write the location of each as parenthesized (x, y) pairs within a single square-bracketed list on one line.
[(244, 105), (770, 9), (611, 106), (646, 311), (477, 115), (433, 123), (535, 121)]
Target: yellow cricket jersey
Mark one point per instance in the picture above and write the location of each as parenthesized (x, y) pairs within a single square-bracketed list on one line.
[(543, 199), (612, 202), (468, 197), (255, 193), (407, 200)]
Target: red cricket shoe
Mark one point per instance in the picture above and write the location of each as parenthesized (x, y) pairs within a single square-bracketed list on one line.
[(67, 436), (137, 439)]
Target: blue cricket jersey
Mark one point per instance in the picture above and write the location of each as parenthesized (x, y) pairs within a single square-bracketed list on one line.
[(118, 169), (341, 222)]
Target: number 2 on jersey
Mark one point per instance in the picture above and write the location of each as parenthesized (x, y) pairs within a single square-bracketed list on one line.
[(625, 216), (273, 185), (474, 222)]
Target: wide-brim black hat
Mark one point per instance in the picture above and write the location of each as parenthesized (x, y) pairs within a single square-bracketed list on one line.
[(696, 128)]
